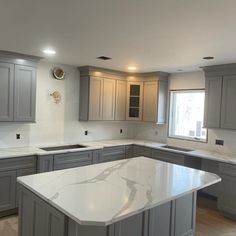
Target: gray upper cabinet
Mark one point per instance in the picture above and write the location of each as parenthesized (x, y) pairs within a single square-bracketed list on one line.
[(17, 87), (220, 96), (25, 93), (228, 111), (120, 110), (6, 91), (155, 101), (213, 102)]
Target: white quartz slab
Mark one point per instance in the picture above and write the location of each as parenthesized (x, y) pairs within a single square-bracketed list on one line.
[(104, 193)]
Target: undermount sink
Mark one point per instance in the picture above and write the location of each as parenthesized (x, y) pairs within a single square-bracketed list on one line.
[(58, 148), (177, 148)]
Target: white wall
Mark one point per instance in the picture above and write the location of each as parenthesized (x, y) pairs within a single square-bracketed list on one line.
[(190, 80), (58, 123)]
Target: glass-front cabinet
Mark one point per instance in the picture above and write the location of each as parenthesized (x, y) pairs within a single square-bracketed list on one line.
[(135, 101)]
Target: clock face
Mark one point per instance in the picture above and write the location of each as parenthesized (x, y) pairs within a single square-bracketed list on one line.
[(59, 73)]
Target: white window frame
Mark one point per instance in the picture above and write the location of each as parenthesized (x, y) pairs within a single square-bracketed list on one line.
[(170, 126)]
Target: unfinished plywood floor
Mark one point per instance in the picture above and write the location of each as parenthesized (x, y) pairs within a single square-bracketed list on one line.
[(209, 223)]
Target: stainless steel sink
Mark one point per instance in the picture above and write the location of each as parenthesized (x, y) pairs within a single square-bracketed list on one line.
[(58, 148), (177, 148)]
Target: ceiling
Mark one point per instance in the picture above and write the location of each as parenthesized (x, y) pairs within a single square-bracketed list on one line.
[(152, 35)]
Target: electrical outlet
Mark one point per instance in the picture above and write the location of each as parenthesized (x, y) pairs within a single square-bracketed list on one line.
[(86, 132), (121, 131), (156, 132), (219, 142), (17, 136)]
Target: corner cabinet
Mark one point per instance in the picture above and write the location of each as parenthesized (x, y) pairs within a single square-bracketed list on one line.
[(17, 87), (220, 96)]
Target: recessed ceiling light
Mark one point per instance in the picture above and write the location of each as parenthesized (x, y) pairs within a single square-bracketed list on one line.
[(49, 51), (208, 58), (104, 58), (132, 68)]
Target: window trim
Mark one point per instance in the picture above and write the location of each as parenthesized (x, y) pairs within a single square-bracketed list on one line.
[(169, 118)]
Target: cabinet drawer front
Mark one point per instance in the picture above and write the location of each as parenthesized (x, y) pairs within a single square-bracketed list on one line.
[(227, 169), (168, 157), (8, 190), (70, 160), (145, 151), (18, 163), (113, 150), (113, 157)]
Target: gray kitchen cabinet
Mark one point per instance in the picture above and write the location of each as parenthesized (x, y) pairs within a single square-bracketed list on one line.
[(23, 172), (8, 190), (24, 93), (70, 160), (227, 193), (44, 163), (155, 101), (212, 167), (6, 91), (212, 102), (137, 150), (167, 156), (43, 219), (145, 151), (108, 96), (228, 111), (134, 101), (120, 108), (113, 153), (17, 86)]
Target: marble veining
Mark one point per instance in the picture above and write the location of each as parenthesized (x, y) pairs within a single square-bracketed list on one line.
[(104, 193)]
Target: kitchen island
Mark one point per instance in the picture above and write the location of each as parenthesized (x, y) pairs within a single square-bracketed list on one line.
[(133, 197)]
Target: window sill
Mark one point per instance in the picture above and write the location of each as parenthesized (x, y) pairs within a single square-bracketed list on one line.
[(188, 139)]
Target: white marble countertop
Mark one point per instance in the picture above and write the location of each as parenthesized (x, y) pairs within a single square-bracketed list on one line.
[(105, 193), (93, 145)]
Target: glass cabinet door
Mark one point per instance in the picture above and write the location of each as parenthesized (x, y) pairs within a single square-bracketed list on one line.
[(135, 92)]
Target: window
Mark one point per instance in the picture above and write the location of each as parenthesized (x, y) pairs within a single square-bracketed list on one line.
[(186, 115)]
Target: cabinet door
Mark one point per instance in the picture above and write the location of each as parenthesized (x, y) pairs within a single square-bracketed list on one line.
[(113, 153), (228, 111), (213, 102), (212, 167), (135, 101), (8, 190), (25, 93), (23, 172), (120, 100), (95, 98), (6, 91), (162, 102), (109, 93), (150, 101)]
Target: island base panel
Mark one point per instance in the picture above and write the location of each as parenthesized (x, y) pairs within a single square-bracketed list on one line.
[(174, 218)]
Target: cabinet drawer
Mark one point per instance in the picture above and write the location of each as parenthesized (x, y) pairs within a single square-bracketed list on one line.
[(70, 160), (145, 151), (113, 150), (227, 169), (17, 163), (168, 157)]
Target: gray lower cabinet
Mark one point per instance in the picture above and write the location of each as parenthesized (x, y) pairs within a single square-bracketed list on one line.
[(8, 190), (213, 167), (113, 153), (44, 163), (129, 151), (6, 91), (167, 156), (10, 169), (227, 193), (37, 218), (70, 160), (145, 151)]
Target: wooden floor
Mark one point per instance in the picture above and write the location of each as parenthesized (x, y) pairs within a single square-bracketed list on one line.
[(209, 223)]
